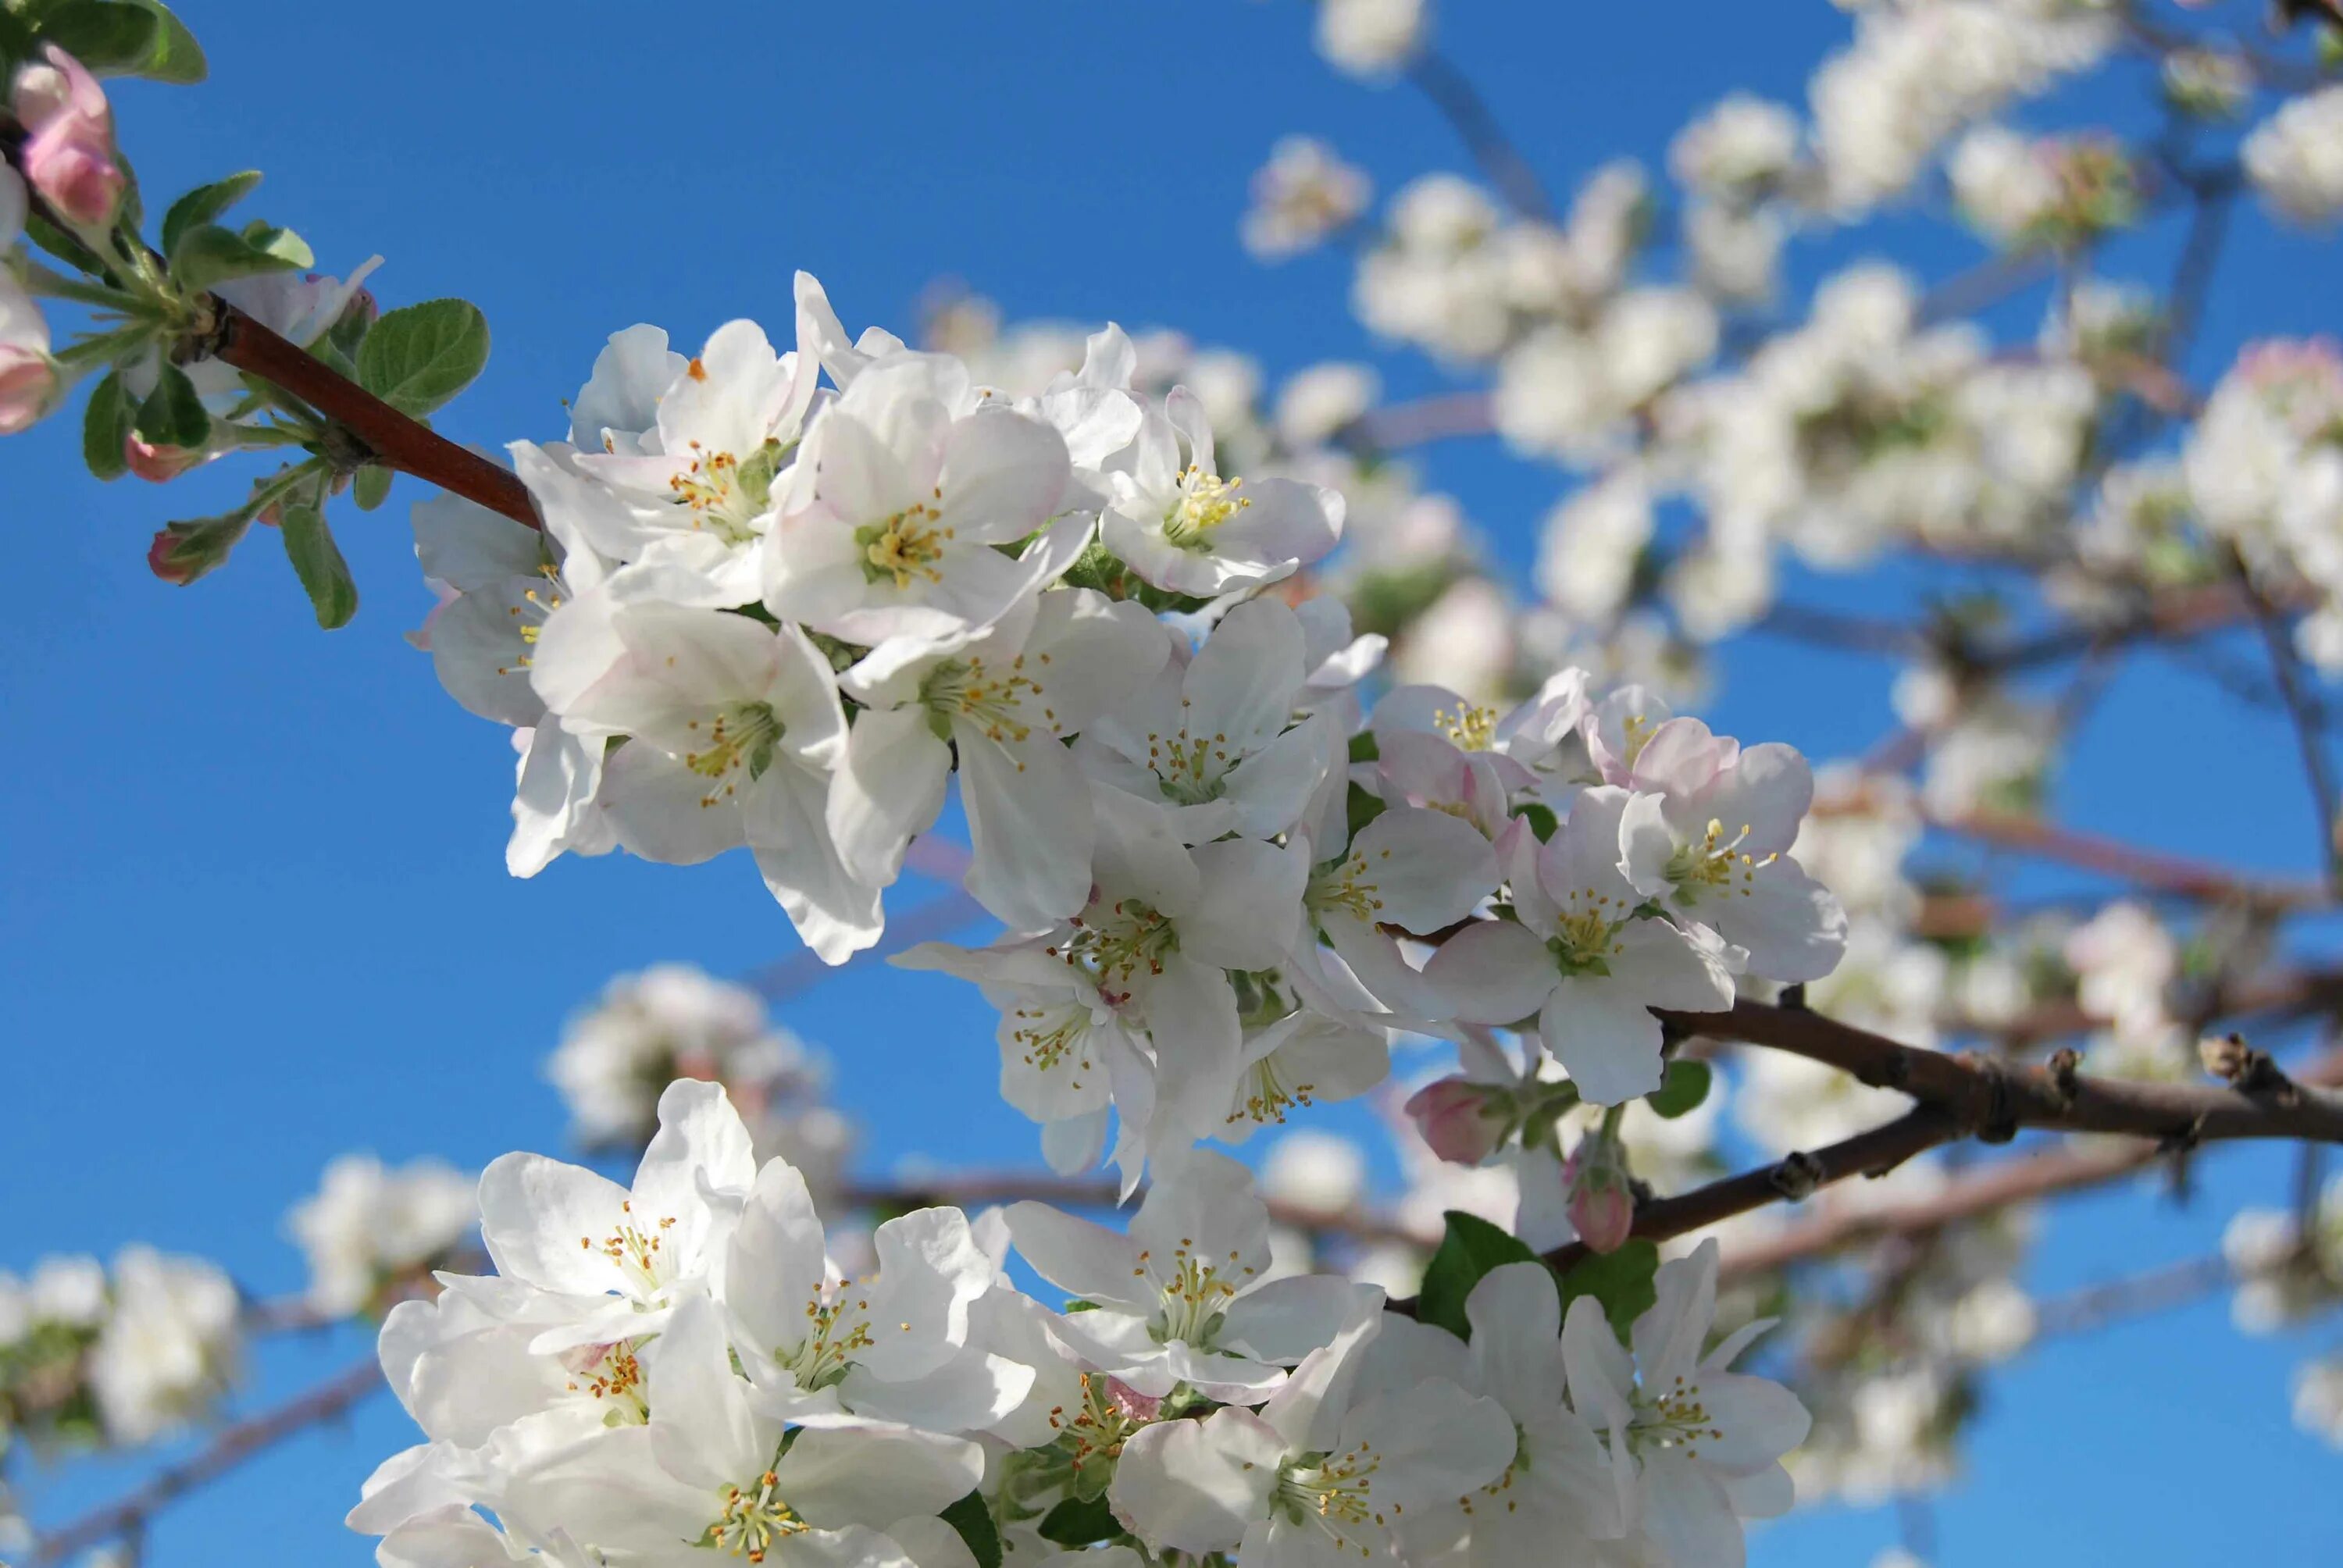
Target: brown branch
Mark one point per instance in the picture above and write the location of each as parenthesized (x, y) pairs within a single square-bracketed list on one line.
[(2302, 709), (228, 1448), (2096, 1306), (398, 441)]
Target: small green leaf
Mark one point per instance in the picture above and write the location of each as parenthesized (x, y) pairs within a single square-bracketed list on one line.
[(371, 485), (1621, 1281), (281, 243), (1080, 1522), (1360, 809), (64, 245), (208, 254), (1541, 818), (1364, 746), (104, 424), (175, 56), (317, 562), (417, 357), (204, 203), (1469, 1249), (973, 1519), (1682, 1090), (110, 37), (172, 416)]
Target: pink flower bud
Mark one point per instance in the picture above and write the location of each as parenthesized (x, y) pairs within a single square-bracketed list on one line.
[(159, 464), (68, 153), (1601, 1200), (163, 559), (1463, 1120), (28, 385)]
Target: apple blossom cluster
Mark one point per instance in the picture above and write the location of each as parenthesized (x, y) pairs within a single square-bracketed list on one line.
[(675, 1372), (774, 612), (92, 1355), (371, 1229), (677, 1021)]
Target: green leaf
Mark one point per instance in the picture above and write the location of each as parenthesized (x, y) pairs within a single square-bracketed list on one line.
[(110, 37), (172, 416), (1080, 1522), (1362, 808), (65, 247), (104, 424), (208, 254), (371, 485), (1541, 818), (281, 243), (1469, 1249), (417, 357), (1682, 1090), (973, 1519), (317, 562), (1620, 1280), (175, 56), (204, 203), (1364, 746)]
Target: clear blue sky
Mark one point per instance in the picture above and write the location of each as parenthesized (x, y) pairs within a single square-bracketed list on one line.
[(253, 910)]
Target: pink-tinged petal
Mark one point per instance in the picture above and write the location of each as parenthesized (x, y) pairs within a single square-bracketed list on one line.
[(1667, 967), (1680, 759), (1764, 795), (1495, 972)]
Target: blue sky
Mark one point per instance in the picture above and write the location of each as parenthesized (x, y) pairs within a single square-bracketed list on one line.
[(254, 910)]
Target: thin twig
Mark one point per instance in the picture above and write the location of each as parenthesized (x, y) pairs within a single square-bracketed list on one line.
[(1458, 101), (2302, 709), (229, 1448)]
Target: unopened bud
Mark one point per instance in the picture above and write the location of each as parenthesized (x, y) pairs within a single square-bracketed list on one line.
[(159, 464), (28, 385), (68, 154), (1464, 1121), (1602, 1197), (165, 559)]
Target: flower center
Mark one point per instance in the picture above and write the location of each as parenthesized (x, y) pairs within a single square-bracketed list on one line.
[(610, 1376), (754, 1517), (1113, 945), (1584, 939), (1336, 1491), (529, 619), (743, 736), (1345, 886), (904, 546), (1194, 1296), (1189, 768), (1205, 502), (727, 493), (636, 1251), (1266, 1097), (1049, 1035), (838, 1324), (1677, 1418), (1469, 728), (995, 699), (1714, 861)]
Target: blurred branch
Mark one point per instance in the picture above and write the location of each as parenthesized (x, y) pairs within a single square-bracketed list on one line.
[(2150, 869), (230, 1446), (1461, 103), (2097, 1306), (2302, 709)]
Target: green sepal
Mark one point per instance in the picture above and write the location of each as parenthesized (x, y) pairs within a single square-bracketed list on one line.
[(370, 486)]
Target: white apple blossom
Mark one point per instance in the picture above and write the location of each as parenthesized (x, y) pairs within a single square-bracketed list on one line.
[(1303, 194), (369, 1223), (169, 1345), (1182, 526), (2295, 159)]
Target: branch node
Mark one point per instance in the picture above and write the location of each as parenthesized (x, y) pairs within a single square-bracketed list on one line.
[(2247, 1070), (1797, 1176), (1793, 998), (1999, 1122), (2065, 1064)]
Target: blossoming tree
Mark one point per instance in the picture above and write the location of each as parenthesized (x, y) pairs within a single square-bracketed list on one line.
[(1260, 771)]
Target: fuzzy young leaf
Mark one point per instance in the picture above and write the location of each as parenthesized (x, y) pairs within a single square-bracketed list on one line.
[(105, 425), (280, 243), (317, 562), (172, 416), (175, 56), (207, 254), (111, 37), (1682, 1091), (370, 486), (1621, 1279), (973, 1521), (204, 203), (416, 358), (1471, 1247)]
